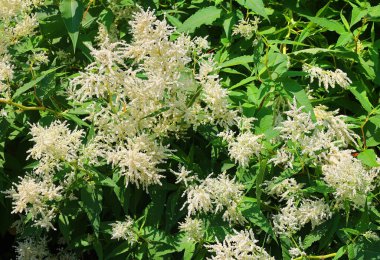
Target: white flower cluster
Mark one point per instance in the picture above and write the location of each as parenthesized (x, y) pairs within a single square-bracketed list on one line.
[(315, 140), (245, 145), (295, 252), (327, 78), (124, 230), (53, 145), (35, 196), (284, 188), (246, 28), (241, 245), (292, 218), (6, 74), (194, 228), (350, 179), (32, 249), (156, 96), (183, 176), (138, 160), (38, 249), (12, 8), (213, 195)]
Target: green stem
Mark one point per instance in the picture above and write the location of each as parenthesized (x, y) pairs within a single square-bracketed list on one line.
[(26, 108)]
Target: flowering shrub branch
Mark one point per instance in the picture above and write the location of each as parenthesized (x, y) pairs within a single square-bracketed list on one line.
[(195, 130)]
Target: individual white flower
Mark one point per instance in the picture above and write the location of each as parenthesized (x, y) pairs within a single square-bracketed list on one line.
[(241, 245), (350, 179), (38, 58), (246, 28), (124, 230), (245, 145), (214, 95), (327, 78), (32, 249), (194, 228)]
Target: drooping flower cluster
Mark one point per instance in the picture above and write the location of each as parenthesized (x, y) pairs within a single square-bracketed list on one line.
[(327, 78), (241, 245), (215, 195)]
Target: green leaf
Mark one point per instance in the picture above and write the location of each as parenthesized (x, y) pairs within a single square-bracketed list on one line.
[(368, 157), (203, 16), (357, 14), (330, 25), (92, 204), (251, 211), (255, 5), (119, 250), (32, 83), (260, 179), (237, 61), (72, 13), (361, 95)]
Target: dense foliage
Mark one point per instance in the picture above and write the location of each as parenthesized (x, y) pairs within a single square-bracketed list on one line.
[(242, 129)]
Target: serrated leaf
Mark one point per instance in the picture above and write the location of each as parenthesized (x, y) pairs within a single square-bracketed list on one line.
[(72, 13), (204, 16), (255, 5)]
